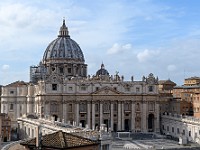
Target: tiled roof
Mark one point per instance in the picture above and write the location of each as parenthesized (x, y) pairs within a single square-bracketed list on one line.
[(166, 82), (61, 140), (17, 83)]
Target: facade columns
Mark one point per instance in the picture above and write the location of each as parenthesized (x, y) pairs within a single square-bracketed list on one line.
[(157, 121), (77, 114), (119, 117), (144, 117), (89, 115), (133, 117), (122, 121), (65, 112), (93, 116), (111, 116), (101, 114)]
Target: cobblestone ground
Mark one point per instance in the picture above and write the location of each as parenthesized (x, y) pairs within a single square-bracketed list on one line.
[(17, 147), (151, 142)]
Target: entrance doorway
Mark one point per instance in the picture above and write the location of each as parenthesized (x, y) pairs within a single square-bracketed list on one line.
[(115, 127), (83, 123), (106, 123), (126, 124), (55, 117), (151, 122)]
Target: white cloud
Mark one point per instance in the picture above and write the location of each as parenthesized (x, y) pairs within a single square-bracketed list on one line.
[(146, 55), (171, 67), (117, 48), (5, 67)]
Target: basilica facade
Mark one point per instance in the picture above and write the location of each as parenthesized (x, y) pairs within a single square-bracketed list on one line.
[(59, 87)]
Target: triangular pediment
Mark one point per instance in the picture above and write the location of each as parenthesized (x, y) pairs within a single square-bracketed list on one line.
[(107, 91)]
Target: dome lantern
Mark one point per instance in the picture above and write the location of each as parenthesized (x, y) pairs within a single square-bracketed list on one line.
[(63, 30)]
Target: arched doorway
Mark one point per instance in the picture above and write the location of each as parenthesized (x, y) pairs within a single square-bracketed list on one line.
[(55, 117), (151, 122)]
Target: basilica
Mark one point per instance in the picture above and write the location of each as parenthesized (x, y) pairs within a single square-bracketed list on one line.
[(60, 87)]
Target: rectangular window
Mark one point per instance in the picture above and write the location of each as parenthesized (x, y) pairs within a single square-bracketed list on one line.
[(115, 107), (61, 70), (127, 89), (83, 107), (69, 70), (150, 88), (70, 88), (163, 127), (137, 89), (83, 88), (70, 107), (11, 106), (167, 128), (97, 88), (189, 133), (11, 92), (178, 131), (96, 107), (173, 129), (106, 107), (33, 134), (54, 87), (183, 132)]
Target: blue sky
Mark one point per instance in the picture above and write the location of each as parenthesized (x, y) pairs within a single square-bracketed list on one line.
[(134, 37)]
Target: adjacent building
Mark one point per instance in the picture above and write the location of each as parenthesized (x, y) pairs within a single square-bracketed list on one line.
[(5, 127)]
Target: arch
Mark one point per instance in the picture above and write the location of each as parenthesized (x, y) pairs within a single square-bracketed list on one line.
[(151, 122)]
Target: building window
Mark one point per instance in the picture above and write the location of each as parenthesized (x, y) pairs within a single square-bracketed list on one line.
[(11, 92), (115, 107), (137, 107), (96, 107), (178, 131), (127, 89), (163, 127), (70, 88), (69, 70), (54, 87), (33, 134), (189, 133), (61, 70), (127, 107), (11, 106), (167, 128), (83, 88), (54, 107), (83, 107), (150, 88), (137, 89), (173, 129), (29, 133), (151, 106), (97, 88), (183, 132), (106, 107), (70, 107)]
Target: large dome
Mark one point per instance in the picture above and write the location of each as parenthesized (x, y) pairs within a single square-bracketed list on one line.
[(63, 47)]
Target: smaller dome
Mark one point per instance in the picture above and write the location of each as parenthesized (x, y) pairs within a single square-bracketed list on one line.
[(102, 71)]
